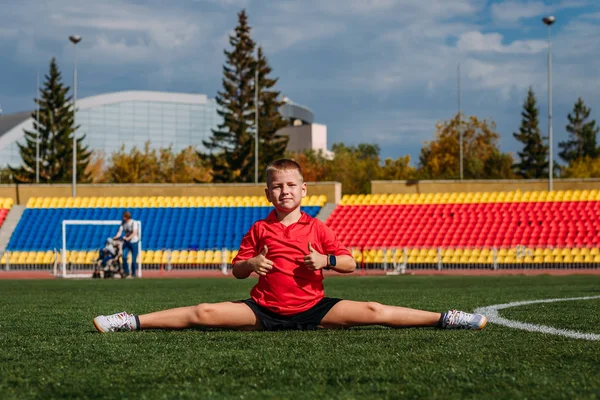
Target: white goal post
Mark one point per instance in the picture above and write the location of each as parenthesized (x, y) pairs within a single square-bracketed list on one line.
[(85, 270)]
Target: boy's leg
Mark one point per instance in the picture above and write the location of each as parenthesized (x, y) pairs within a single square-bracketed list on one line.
[(348, 313), (232, 315)]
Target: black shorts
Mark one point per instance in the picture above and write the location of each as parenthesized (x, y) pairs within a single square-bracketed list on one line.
[(304, 321)]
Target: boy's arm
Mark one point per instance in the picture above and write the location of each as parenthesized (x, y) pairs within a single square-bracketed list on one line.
[(247, 261), (344, 264), (118, 235), (330, 244), (315, 261), (259, 264)]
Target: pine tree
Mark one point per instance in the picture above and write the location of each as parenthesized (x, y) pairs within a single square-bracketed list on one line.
[(534, 157), (582, 141), (271, 145), (230, 146), (55, 126)]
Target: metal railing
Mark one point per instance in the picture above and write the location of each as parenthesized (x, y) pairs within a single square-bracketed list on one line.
[(391, 259)]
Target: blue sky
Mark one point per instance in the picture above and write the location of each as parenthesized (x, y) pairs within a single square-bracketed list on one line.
[(374, 71)]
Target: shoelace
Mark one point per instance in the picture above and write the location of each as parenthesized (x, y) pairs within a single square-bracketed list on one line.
[(119, 321), (458, 319)]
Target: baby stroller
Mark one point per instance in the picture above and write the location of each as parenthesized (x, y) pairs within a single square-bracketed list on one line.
[(108, 264)]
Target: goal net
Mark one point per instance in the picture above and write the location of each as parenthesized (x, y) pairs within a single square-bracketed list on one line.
[(80, 245)]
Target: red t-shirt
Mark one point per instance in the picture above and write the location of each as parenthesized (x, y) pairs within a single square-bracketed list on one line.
[(290, 287)]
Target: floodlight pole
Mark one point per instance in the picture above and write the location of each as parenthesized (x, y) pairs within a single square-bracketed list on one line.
[(37, 130), (256, 119), (460, 132), (75, 39), (549, 21)]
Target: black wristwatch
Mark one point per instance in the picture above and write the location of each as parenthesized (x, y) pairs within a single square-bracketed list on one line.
[(331, 261)]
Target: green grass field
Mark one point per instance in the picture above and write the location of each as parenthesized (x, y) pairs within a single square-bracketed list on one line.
[(50, 349)]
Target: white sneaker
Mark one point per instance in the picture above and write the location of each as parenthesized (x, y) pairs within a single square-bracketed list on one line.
[(122, 321), (455, 319)]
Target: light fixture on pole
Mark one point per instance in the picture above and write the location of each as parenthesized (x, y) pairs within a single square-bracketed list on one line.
[(549, 21), (74, 39)]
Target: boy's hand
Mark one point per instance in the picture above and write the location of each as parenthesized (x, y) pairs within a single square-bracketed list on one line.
[(314, 260), (260, 264)]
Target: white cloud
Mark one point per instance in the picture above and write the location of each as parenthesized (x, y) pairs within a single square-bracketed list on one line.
[(513, 11), (492, 42)]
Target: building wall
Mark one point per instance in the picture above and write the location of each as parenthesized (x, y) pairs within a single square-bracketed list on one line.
[(22, 193), (389, 187), (132, 118), (308, 136)]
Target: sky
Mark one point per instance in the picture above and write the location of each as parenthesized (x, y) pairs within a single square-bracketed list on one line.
[(373, 71)]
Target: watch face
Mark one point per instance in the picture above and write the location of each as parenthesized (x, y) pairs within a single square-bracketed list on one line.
[(332, 261)]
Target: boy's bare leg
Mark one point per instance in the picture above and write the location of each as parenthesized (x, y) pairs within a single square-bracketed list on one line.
[(218, 315), (348, 313)]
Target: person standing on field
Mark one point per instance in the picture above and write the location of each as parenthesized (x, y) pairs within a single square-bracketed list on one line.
[(129, 230)]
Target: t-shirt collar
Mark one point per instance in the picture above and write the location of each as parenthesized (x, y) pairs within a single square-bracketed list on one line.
[(272, 218)]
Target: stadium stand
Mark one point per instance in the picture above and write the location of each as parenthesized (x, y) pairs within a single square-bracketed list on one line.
[(472, 228), (180, 230), (5, 205)]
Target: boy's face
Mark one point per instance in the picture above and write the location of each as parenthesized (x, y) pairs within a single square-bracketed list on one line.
[(285, 190)]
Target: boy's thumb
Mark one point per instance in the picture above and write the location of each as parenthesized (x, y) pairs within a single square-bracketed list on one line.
[(310, 247), (265, 250)]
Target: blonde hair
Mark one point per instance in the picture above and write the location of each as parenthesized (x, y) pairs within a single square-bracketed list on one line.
[(283, 164)]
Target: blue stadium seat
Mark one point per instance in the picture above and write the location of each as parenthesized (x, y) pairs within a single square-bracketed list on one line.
[(201, 228)]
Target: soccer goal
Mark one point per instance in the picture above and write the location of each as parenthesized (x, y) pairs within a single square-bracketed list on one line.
[(77, 261)]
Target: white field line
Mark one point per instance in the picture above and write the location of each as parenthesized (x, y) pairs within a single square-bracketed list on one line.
[(491, 312)]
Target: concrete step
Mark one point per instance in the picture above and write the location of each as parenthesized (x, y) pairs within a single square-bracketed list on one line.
[(326, 211), (9, 225)]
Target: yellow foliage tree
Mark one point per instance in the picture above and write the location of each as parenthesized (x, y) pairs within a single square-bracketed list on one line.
[(354, 166), (585, 167), (439, 159), (156, 166)]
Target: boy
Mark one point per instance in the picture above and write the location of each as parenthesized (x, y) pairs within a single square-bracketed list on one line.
[(288, 250)]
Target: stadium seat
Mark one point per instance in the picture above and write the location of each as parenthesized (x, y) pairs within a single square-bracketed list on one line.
[(167, 222)]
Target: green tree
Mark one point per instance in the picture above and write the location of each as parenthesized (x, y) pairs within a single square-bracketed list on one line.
[(271, 145), (534, 157), (482, 159), (230, 146), (582, 135), (56, 129)]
